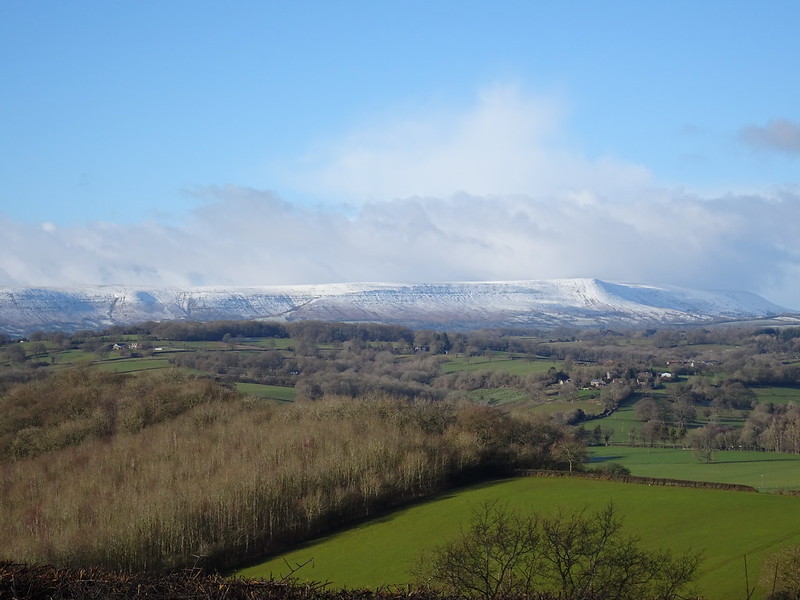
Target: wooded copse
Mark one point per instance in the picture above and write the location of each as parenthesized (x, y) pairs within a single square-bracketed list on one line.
[(766, 426), (229, 477)]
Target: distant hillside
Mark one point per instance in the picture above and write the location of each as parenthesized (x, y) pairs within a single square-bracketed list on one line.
[(464, 305)]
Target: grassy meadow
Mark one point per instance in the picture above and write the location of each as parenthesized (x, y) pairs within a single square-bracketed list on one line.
[(555, 406), (133, 365), (384, 551), (777, 395), (512, 365), (765, 471), (623, 421), (70, 357), (627, 425), (270, 392)]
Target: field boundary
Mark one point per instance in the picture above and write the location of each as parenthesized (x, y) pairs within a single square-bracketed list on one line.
[(663, 481)]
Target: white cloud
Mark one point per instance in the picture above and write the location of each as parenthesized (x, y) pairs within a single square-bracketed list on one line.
[(507, 143), (248, 237)]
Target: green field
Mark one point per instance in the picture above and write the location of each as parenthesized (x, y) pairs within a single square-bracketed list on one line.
[(67, 357), (623, 420), (777, 395), (132, 365), (724, 525), (273, 392), (270, 343), (765, 471), (515, 366), (553, 407), (495, 396), (198, 345)]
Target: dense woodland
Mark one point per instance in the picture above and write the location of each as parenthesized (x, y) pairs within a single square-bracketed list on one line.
[(164, 469), (172, 463)]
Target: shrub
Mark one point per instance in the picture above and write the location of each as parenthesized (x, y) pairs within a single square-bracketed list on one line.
[(781, 574)]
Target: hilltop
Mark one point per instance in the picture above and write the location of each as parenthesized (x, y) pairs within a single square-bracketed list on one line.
[(459, 305)]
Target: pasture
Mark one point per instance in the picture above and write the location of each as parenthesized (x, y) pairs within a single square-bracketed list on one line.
[(133, 365), (777, 395), (70, 357), (627, 425), (271, 392), (765, 471), (623, 421), (555, 406), (724, 525), (514, 365), (269, 343), (495, 396)]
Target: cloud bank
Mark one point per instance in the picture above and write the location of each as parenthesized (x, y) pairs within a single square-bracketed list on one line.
[(250, 237), (493, 193)]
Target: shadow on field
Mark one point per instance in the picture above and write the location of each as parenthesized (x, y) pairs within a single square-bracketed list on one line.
[(600, 459), (386, 515), (759, 460), (393, 513)]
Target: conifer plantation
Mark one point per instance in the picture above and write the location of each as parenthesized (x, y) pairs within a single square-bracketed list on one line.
[(156, 472)]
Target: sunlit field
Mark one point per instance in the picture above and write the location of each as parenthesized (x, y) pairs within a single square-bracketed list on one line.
[(765, 471), (724, 525)]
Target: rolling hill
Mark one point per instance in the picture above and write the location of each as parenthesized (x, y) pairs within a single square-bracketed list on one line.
[(460, 305)]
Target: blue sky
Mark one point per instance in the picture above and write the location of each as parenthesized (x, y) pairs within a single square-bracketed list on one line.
[(259, 143)]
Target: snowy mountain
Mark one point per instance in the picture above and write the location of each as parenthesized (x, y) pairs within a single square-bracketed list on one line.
[(465, 305)]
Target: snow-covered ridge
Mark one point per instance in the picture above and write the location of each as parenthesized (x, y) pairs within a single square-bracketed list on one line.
[(575, 302)]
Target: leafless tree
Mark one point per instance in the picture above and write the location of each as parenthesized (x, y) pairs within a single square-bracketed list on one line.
[(573, 556), (496, 556), (781, 574)]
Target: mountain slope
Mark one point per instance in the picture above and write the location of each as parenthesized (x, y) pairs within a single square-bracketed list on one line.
[(573, 302)]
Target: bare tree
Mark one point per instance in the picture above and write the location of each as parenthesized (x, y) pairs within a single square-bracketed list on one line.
[(569, 555), (685, 411), (781, 574), (587, 556), (570, 450), (702, 441), (496, 556), (15, 353)]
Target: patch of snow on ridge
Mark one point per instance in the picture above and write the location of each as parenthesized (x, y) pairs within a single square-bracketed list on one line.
[(693, 301)]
